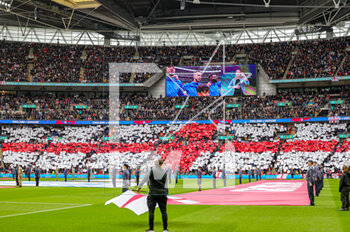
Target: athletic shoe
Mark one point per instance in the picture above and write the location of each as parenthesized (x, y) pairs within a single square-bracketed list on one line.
[(165, 230), (312, 205), (149, 230), (342, 209)]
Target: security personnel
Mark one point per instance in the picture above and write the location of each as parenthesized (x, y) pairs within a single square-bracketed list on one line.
[(240, 176), (317, 178), (65, 174), (259, 173), (37, 176), (214, 178), (321, 178), (89, 172), (16, 170), (223, 171), (137, 175), (310, 182), (344, 189), (157, 178), (13, 172), (199, 178), (28, 171), (126, 176), (19, 175)]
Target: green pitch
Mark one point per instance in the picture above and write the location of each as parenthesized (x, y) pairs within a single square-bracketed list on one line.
[(82, 209)]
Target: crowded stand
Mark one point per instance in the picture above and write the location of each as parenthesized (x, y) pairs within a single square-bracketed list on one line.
[(13, 61), (251, 107), (319, 58), (197, 144), (89, 64)]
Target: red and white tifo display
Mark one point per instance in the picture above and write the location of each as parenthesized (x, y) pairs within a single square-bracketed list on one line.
[(256, 193)]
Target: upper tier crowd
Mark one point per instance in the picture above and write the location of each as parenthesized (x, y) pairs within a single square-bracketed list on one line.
[(76, 63), (148, 108)]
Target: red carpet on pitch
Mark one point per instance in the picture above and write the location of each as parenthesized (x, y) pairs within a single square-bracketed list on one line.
[(256, 193)]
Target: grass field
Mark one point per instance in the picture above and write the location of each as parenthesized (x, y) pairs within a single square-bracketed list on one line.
[(82, 209)]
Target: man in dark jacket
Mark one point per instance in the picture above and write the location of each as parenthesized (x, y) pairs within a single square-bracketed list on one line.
[(344, 188), (37, 175), (158, 185), (310, 182)]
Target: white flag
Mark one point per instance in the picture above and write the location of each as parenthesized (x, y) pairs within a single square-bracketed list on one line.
[(134, 201)]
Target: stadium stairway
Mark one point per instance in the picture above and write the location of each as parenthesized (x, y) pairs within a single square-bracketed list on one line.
[(294, 54), (341, 64), (338, 145), (30, 64)]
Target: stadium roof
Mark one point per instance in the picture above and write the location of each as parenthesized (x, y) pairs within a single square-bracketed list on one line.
[(108, 16)]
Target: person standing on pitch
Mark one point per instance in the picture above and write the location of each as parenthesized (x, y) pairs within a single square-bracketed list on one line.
[(13, 172), (310, 178), (224, 175), (16, 171), (137, 175), (89, 173), (344, 188), (321, 178), (199, 178), (65, 174), (240, 176), (158, 185), (257, 174), (28, 171), (37, 175), (214, 178), (73, 173), (125, 175), (114, 176), (19, 175), (317, 179)]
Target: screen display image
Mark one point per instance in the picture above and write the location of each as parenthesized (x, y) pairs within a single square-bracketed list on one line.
[(194, 81)]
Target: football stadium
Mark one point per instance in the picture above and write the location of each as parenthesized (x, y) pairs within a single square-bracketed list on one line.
[(174, 115)]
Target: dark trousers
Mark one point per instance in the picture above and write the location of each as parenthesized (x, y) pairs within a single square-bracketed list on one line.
[(259, 176), (137, 180), (152, 201), (17, 180), (249, 179), (344, 197), (37, 181), (317, 187), (28, 177), (13, 176), (124, 190), (310, 190), (240, 180), (89, 178), (65, 178)]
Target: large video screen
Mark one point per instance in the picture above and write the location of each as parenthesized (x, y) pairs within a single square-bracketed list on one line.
[(194, 81)]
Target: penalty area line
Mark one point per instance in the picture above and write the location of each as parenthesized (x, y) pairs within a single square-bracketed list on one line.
[(47, 210)]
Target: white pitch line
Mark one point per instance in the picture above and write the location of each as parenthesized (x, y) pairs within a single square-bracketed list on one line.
[(36, 203), (41, 211)]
